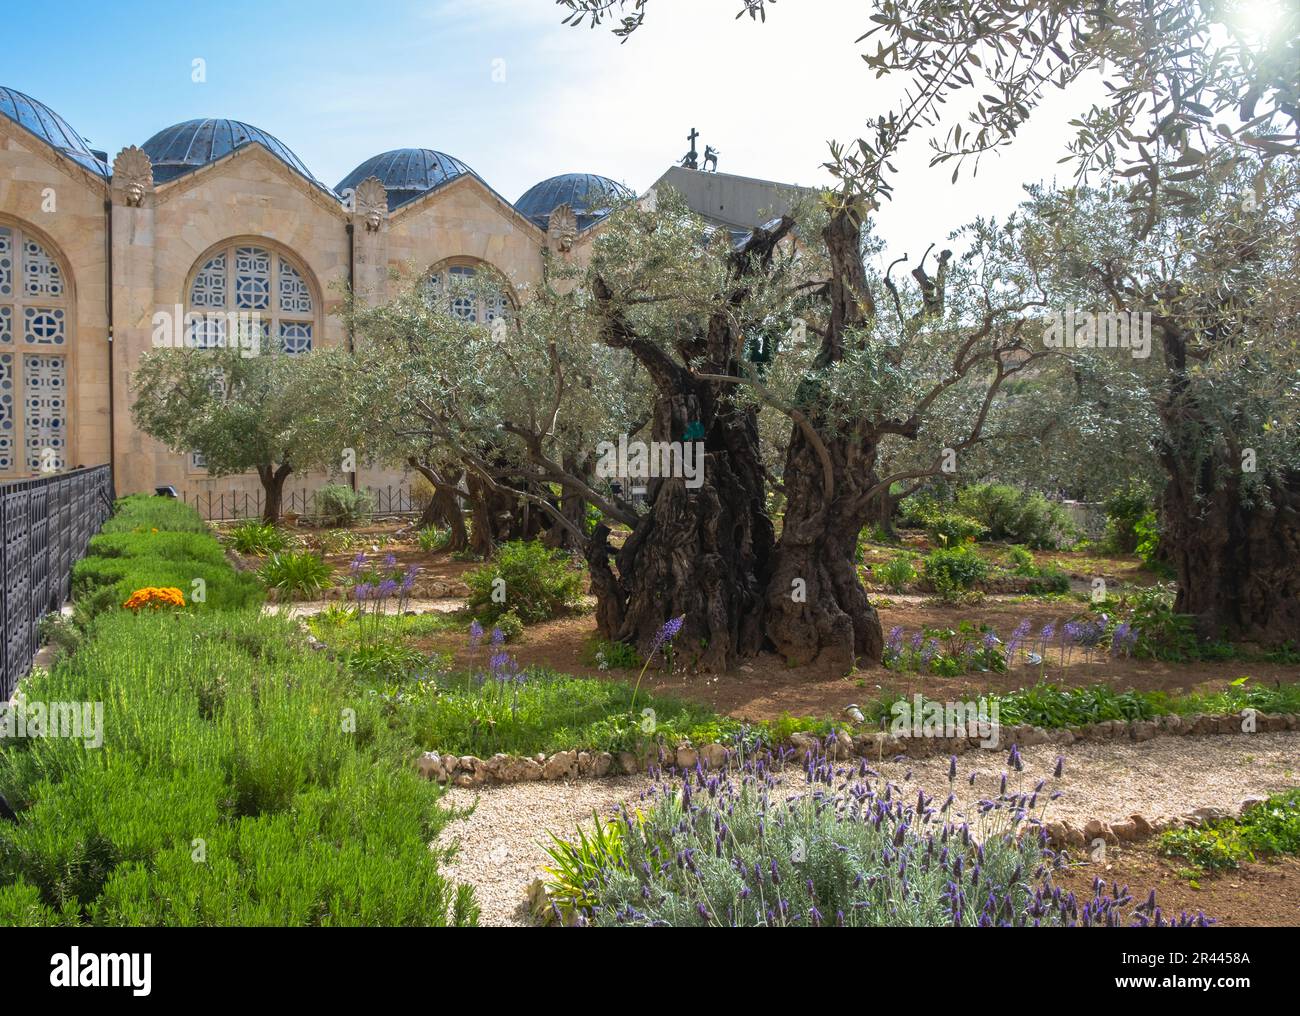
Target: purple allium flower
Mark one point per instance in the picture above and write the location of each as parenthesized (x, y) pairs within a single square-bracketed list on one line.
[(362, 591), (387, 588)]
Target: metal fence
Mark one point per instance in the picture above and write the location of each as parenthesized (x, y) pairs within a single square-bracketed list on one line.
[(45, 525), (228, 506)]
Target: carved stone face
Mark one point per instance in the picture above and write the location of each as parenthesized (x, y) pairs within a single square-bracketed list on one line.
[(565, 236), (374, 218), (135, 193)]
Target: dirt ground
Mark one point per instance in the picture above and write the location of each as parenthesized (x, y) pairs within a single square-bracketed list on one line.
[(766, 687)]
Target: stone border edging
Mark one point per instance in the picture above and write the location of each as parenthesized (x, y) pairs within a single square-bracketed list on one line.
[(471, 771)]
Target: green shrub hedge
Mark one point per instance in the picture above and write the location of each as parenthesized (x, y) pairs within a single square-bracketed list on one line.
[(240, 778), (155, 541)]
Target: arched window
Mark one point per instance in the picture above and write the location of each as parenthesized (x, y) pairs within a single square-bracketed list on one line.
[(35, 312), (250, 287), (455, 281)]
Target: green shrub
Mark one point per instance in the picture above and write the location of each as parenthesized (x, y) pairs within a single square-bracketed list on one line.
[(611, 655), (1021, 561), (895, 574), (1124, 509), (1268, 829), (1147, 532), (294, 575), (337, 504), (143, 512), (1016, 515), (432, 538), (228, 791), (258, 538), (536, 582), (952, 571), (1048, 580)]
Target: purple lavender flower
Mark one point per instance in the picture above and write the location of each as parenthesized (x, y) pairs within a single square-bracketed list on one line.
[(358, 562), (669, 631), (498, 638), (390, 562), (475, 634)]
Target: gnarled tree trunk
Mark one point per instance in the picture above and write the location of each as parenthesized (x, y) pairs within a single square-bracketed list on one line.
[(817, 610), (273, 486), (1235, 560)]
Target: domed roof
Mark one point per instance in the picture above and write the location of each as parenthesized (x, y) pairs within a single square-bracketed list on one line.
[(590, 196), (50, 128), (184, 147), (407, 173)]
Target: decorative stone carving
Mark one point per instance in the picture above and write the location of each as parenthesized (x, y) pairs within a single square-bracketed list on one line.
[(132, 175), (562, 230), (371, 200)]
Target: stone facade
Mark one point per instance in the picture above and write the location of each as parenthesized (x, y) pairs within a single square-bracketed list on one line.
[(137, 244)]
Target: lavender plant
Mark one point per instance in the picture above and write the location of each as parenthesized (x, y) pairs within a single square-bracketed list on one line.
[(741, 848)]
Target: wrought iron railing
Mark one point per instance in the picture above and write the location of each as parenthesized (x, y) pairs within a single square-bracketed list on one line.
[(45, 525), (226, 506)]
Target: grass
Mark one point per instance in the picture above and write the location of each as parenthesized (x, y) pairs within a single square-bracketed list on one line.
[(1267, 830)]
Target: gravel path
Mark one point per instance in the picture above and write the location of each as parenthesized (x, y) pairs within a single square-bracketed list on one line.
[(501, 842)]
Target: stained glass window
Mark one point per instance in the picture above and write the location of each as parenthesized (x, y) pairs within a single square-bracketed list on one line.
[(41, 274), (209, 289), (45, 405), (6, 262), (295, 336), (7, 426), (34, 314), (465, 300), (239, 280)]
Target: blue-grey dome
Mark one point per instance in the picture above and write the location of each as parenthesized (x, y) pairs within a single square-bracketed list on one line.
[(50, 128), (590, 196), (407, 173), (185, 147)]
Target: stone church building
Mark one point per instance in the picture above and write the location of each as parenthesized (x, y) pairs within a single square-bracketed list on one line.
[(218, 216)]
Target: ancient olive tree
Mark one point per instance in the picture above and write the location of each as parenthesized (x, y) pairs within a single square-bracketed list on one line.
[(247, 410), (1217, 286)]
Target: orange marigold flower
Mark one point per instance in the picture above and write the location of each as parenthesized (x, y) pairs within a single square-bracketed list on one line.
[(155, 597)]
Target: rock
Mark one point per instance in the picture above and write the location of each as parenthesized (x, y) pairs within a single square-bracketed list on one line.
[(715, 756), (584, 763), (1143, 827), (1172, 723), (431, 767), (627, 763), (1228, 725), (513, 769), (1202, 725), (560, 766), (1094, 828), (1249, 804), (1142, 730), (1027, 736), (601, 763), (841, 746), (1125, 832), (804, 743), (1063, 735), (1211, 814), (687, 757)]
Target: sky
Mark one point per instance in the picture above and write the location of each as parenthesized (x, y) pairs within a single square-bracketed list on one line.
[(506, 88)]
